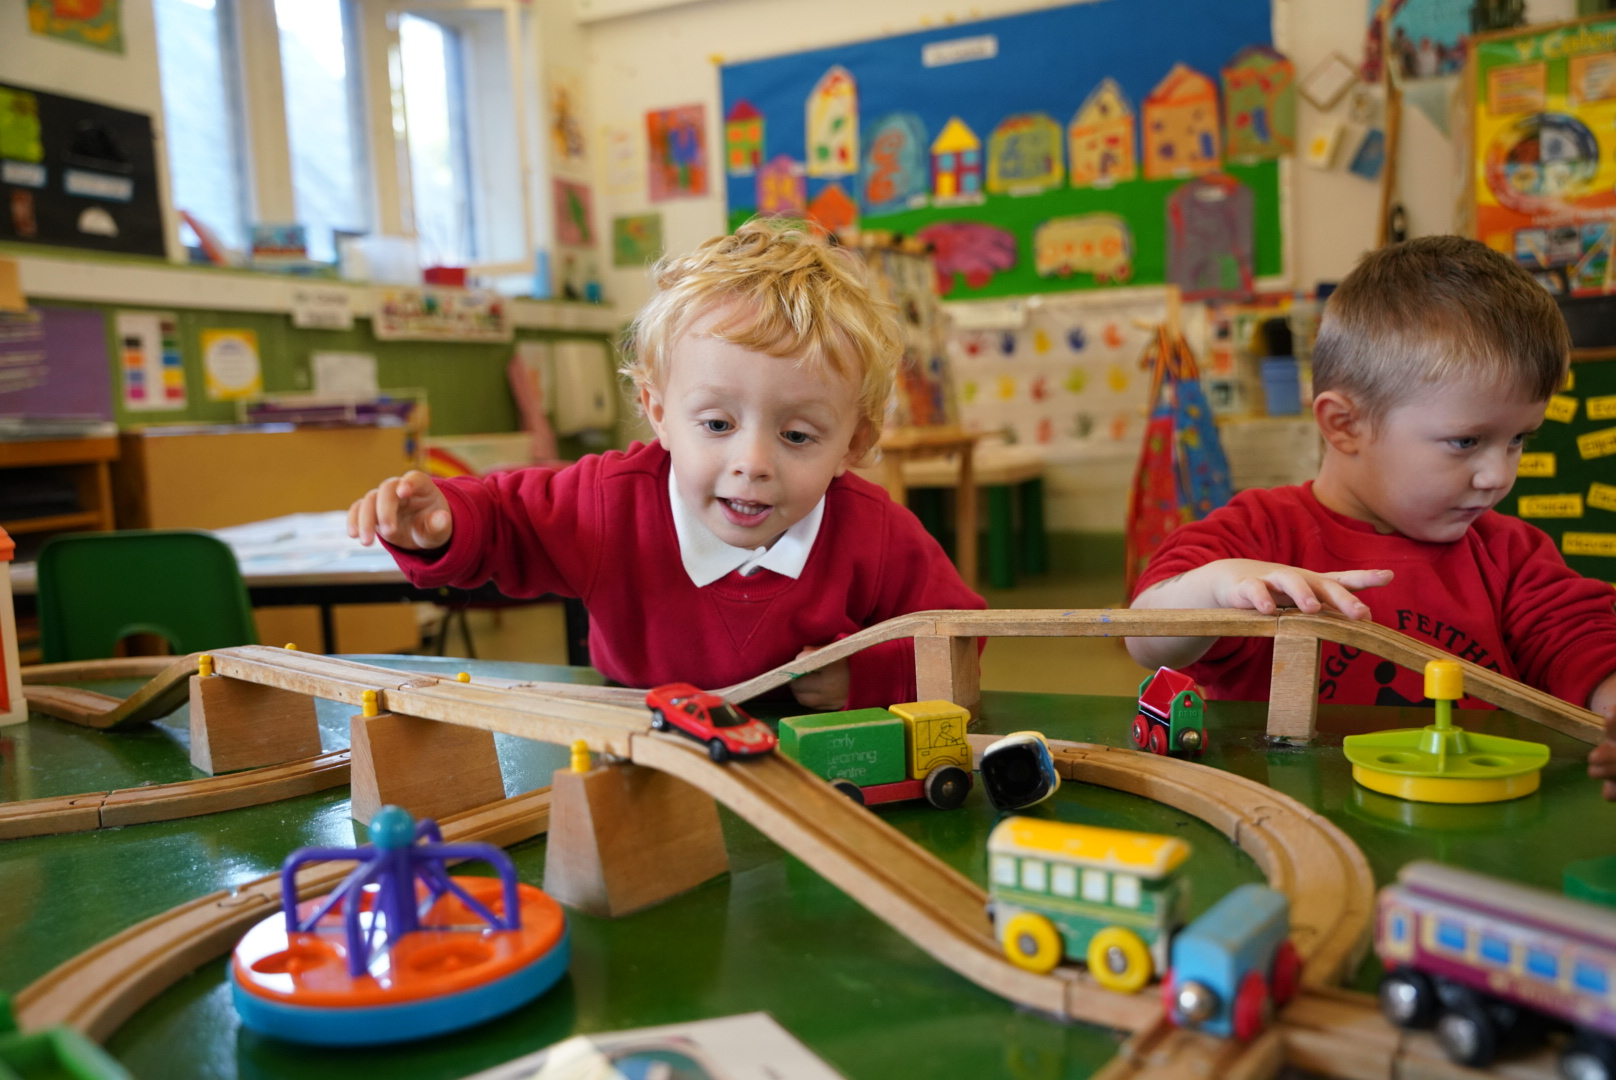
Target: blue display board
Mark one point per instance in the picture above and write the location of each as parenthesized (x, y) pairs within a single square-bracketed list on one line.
[(1045, 63)]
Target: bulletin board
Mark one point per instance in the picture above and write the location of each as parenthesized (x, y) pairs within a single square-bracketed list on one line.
[(1566, 484), (1542, 128), (1024, 77)]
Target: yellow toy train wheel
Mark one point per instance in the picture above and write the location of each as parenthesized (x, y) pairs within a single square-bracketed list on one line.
[(1031, 942), (1119, 960)]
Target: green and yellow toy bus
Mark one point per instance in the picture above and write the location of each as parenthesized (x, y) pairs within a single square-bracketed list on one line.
[(1108, 896)]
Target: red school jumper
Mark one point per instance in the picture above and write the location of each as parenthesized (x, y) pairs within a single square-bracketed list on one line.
[(602, 530), (1500, 596)]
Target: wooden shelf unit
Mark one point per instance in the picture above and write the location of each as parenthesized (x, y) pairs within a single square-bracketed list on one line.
[(87, 461)]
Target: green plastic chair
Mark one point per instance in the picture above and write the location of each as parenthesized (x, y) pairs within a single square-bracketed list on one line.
[(95, 589)]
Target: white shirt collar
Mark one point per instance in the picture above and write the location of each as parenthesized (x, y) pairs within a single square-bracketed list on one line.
[(707, 558)]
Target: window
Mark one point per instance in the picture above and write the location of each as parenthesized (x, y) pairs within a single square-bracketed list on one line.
[(1450, 935), (1095, 885), (1590, 977), (324, 120), (434, 109), (1542, 963), (200, 114), (1034, 876), (1399, 924), (1125, 891), (1063, 881), (1494, 949), (1004, 870)]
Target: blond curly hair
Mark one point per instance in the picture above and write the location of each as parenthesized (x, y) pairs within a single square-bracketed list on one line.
[(789, 293)]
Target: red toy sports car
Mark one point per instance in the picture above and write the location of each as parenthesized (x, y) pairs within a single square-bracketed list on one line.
[(709, 719)]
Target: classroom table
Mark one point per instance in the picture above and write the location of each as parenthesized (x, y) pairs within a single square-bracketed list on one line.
[(770, 935)]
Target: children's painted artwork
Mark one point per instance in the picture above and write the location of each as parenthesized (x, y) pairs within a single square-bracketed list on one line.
[(894, 175), (441, 315), (636, 239), (566, 117), (969, 249), (625, 172), (1209, 238), (676, 141), (833, 210), (1182, 135), (1024, 155), (574, 211), (781, 189), (833, 136), (1259, 105), (743, 139), (956, 164), (1102, 137), (96, 23), (1098, 244)]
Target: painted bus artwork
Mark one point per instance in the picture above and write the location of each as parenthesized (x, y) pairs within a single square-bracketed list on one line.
[(1486, 961)]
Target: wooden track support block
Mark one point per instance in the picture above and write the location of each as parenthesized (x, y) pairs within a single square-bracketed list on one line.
[(429, 768), (239, 725), (948, 669), (1293, 689), (624, 837)]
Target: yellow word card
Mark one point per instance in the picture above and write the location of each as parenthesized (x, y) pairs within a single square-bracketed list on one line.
[(1551, 506), (1539, 464), (1575, 543), (1562, 408), (1597, 444), (1602, 408), (1602, 496)]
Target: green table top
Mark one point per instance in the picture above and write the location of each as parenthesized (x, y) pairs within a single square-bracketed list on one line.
[(770, 935)]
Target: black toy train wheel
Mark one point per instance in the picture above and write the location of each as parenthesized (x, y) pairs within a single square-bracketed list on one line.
[(658, 721), (946, 786), (1408, 999), (1589, 1057), (717, 750), (1468, 1035), (850, 789)]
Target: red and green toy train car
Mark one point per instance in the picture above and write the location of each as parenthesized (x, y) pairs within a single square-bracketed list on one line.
[(1171, 717), (911, 751)]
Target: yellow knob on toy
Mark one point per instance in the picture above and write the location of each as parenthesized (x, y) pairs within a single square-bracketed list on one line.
[(464, 676), (204, 665), (291, 645), (581, 762), (1444, 680), (368, 704)]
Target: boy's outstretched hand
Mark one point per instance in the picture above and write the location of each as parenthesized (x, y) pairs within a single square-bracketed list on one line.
[(407, 511), (1602, 761), (824, 689)]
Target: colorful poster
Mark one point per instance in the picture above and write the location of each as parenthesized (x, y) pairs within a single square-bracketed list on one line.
[(1259, 105), (1209, 241), (574, 211), (230, 364), (625, 173), (833, 135), (894, 174), (676, 142), (150, 361), (1543, 173), (1102, 138), (1428, 38), (1025, 155), (636, 240), (781, 191), (743, 139), (53, 364), (1182, 135), (97, 23), (566, 118), (442, 315)]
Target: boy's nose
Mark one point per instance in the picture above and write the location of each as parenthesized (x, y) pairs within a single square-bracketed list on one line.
[(1493, 472), (751, 460)]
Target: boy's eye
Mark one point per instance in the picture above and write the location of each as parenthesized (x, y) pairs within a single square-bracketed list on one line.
[(1463, 442), (717, 427), (797, 438)]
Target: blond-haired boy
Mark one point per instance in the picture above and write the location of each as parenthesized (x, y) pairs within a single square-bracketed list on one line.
[(1434, 362), (737, 540)]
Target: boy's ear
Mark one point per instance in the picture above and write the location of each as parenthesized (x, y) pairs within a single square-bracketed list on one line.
[(1340, 421), (865, 436), (651, 405)]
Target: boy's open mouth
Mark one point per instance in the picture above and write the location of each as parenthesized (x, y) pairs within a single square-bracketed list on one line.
[(743, 513)]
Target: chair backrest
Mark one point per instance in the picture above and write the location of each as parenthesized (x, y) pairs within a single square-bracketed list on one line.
[(95, 589)]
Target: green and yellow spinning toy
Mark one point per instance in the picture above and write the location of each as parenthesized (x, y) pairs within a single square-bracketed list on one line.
[(1443, 763)]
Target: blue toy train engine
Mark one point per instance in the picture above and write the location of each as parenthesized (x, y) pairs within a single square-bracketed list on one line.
[(1234, 965)]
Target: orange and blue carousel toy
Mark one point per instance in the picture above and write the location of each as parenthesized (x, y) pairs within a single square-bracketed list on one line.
[(400, 950)]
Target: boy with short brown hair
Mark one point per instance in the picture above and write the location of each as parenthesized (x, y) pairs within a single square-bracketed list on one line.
[(738, 540), (1435, 361)]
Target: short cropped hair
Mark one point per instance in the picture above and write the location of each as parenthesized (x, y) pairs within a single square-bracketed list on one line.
[(790, 294), (1438, 309)]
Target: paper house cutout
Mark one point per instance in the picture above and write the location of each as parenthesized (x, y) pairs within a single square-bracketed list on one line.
[(893, 175), (1025, 154), (833, 140), (781, 190), (956, 162), (1259, 105), (1102, 137), (1182, 135), (832, 210), (743, 139)]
